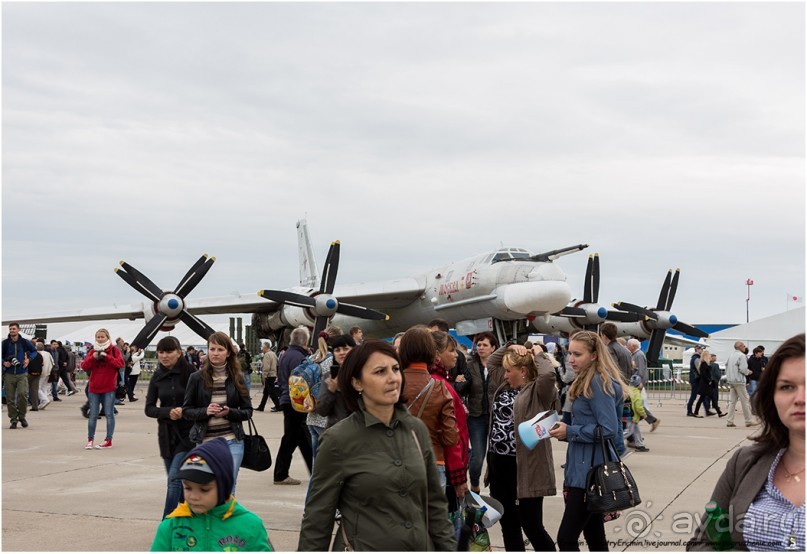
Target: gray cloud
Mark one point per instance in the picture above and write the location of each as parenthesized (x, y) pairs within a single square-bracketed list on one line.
[(665, 135)]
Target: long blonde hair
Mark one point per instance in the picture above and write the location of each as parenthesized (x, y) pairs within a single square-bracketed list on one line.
[(603, 365)]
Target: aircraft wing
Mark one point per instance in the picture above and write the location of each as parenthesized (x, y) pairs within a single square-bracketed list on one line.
[(231, 304), (382, 295), (679, 340)]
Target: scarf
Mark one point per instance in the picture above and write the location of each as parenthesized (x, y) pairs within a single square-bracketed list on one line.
[(439, 369), (101, 346)]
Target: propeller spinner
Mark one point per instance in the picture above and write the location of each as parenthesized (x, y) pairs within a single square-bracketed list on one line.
[(660, 319), (588, 314), (322, 304), (169, 306)]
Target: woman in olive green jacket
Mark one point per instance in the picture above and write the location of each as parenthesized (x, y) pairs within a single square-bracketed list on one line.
[(376, 467)]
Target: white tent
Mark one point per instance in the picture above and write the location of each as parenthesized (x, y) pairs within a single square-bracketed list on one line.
[(769, 332)]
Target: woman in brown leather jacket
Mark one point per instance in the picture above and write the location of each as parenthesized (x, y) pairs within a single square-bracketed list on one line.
[(428, 399)]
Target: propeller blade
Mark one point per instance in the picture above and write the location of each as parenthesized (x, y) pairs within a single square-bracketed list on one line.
[(625, 317), (571, 311), (137, 285), (363, 313), (627, 307), (194, 275), (148, 332), (595, 287), (319, 326), (197, 325), (290, 298), (329, 271), (690, 330), (145, 281), (665, 292), (654, 347), (587, 286), (673, 289)]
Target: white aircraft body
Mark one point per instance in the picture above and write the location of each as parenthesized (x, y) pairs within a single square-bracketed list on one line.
[(479, 293)]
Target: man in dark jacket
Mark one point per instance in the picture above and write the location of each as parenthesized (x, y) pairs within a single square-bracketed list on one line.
[(63, 367), (694, 379), (295, 431), (17, 354)]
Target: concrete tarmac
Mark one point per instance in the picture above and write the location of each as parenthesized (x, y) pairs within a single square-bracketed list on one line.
[(59, 497)]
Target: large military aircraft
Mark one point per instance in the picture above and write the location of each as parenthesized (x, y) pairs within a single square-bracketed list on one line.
[(496, 290)]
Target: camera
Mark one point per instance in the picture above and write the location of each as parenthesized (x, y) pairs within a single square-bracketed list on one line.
[(15, 361)]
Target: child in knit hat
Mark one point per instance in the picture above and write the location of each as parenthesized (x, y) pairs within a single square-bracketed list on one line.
[(210, 519)]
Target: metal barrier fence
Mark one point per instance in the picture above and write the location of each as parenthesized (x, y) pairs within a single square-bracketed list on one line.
[(665, 383)]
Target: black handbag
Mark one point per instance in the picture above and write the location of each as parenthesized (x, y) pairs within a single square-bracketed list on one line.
[(610, 487), (257, 456)]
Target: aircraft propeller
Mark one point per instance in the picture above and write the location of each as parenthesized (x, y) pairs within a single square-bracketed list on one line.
[(592, 313), (323, 304), (660, 319), (169, 306)]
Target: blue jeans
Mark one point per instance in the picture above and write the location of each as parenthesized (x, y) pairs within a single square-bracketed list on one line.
[(692, 395), (441, 471), (174, 494), (315, 432), (237, 452), (108, 398), (478, 431)]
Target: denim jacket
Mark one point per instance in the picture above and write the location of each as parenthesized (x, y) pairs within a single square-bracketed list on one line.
[(587, 415)]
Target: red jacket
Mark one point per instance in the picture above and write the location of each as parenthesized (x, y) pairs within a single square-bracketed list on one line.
[(456, 457), (103, 373)]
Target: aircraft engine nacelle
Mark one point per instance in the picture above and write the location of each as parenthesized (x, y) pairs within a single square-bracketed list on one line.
[(554, 325), (294, 316), (638, 330)]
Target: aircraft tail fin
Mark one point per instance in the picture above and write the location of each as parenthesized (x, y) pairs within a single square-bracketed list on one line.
[(308, 265)]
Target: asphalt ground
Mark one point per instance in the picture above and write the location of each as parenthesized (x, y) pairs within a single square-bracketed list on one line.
[(59, 497)]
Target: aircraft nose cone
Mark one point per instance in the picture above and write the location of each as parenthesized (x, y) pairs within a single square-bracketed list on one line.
[(673, 319), (331, 304), (173, 303), (602, 312)]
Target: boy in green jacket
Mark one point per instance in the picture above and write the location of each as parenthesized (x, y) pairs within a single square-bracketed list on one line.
[(210, 519), (638, 413)]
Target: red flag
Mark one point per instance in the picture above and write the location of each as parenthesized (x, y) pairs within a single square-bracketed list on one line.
[(749, 282)]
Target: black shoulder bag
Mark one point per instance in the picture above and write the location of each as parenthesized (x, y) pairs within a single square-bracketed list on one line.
[(257, 456), (610, 487)]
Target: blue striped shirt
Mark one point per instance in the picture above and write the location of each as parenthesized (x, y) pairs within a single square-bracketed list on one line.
[(772, 523)]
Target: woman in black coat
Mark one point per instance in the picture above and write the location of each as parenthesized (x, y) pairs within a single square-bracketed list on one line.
[(167, 388), (705, 385), (217, 400)]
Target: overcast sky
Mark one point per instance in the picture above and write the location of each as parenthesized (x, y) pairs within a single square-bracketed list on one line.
[(663, 135)]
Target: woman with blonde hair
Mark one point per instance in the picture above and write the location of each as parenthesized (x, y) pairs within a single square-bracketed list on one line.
[(595, 394), (520, 478), (216, 398), (102, 365)]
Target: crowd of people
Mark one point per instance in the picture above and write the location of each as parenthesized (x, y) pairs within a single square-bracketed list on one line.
[(400, 432)]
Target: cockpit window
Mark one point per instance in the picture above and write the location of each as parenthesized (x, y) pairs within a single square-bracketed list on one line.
[(510, 254)]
